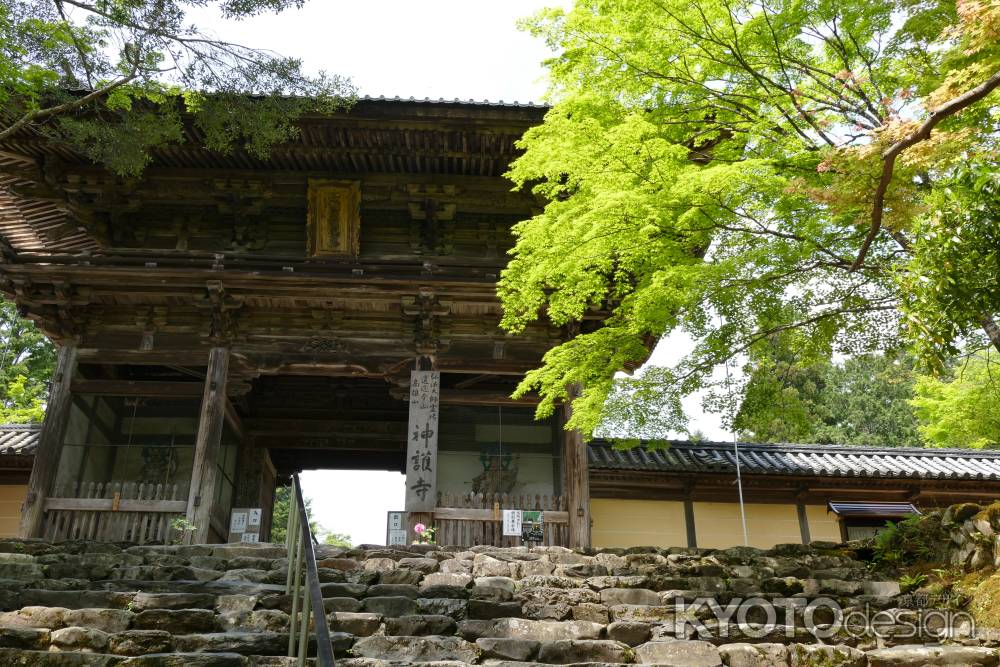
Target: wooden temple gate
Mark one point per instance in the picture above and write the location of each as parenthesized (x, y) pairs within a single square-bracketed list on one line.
[(282, 303)]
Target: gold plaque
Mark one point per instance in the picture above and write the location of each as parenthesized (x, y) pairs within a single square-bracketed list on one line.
[(334, 224)]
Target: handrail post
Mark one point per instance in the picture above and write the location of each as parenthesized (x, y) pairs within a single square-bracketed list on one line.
[(304, 632), (295, 567), (302, 571)]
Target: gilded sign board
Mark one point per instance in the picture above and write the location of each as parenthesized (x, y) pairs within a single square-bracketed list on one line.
[(334, 222)]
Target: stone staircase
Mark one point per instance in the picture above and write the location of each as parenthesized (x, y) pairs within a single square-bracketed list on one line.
[(97, 604)]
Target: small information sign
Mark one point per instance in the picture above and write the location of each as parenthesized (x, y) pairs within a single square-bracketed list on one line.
[(244, 525), (512, 520), (395, 528)]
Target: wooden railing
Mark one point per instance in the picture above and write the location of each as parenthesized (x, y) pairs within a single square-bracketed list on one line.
[(472, 519), (112, 512)]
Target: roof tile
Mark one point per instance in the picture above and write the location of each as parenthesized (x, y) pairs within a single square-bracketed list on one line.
[(787, 459)]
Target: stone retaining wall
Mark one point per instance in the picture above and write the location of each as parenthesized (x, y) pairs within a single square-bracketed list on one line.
[(83, 603)]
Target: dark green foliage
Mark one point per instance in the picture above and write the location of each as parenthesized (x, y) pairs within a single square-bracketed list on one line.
[(915, 539), (279, 516), (862, 400), (114, 80)]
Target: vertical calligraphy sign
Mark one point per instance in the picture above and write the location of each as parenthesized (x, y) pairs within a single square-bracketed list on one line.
[(422, 441)]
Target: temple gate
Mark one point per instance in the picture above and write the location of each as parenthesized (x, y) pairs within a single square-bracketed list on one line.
[(224, 321)]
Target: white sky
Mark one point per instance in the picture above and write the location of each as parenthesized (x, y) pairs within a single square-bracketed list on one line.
[(466, 49)]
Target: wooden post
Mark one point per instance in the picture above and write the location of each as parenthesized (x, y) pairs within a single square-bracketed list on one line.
[(800, 511), (205, 472), (576, 486), (689, 525), (50, 442)]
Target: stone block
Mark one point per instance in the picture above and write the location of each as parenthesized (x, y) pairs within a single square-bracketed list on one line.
[(422, 565), (416, 649), (143, 601), (35, 617), (632, 633), (517, 650), (456, 566), (420, 624), (140, 642), (379, 565), (489, 609), (519, 628), (643, 613), (680, 653), (454, 607), (401, 576), (358, 624), (590, 611), (936, 656), (350, 590), (24, 638), (187, 660), (486, 566), (630, 596), (460, 580), (106, 620), (79, 640), (880, 588), (390, 606), (824, 655), (569, 651), (175, 621), (342, 564), (243, 643), (387, 590), (340, 604), (754, 655), (234, 603)]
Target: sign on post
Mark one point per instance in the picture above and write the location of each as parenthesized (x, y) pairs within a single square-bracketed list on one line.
[(512, 523), (395, 528), (244, 524), (422, 439)]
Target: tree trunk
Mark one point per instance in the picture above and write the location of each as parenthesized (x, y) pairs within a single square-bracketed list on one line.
[(991, 329)]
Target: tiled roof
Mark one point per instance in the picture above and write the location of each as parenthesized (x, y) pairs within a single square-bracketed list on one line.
[(18, 439), (810, 460), (441, 100)]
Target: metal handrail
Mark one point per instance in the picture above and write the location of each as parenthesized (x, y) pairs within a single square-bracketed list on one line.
[(299, 540)]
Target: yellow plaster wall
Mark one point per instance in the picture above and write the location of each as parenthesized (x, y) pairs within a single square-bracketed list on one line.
[(11, 498), (823, 525), (718, 525), (635, 523)]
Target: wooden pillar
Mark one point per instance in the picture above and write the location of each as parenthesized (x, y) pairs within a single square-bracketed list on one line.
[(576, 484), (50, 441), (800, 510), (689, 526), (205, 472)]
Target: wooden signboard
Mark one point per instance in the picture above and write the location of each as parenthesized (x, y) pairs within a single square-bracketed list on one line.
[(422, 439)]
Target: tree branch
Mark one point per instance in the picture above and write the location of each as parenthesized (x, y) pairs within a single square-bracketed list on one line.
[(922, 133)]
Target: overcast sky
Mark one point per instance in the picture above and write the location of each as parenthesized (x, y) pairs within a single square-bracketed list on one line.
[(467, 49)]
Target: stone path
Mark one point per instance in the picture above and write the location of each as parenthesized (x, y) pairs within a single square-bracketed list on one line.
[(91, 604)]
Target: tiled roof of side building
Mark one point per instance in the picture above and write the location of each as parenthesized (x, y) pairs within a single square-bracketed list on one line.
[(18, 439), (807, 460)]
